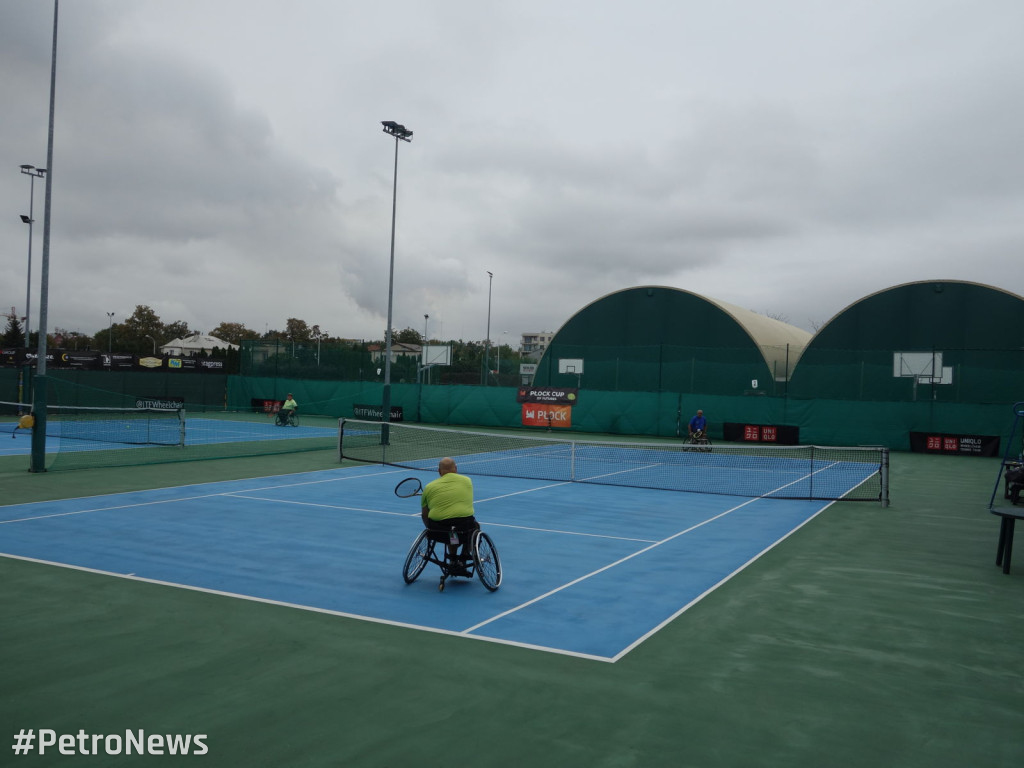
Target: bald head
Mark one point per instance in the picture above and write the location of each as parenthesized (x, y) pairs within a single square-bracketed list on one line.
[(446, 465)]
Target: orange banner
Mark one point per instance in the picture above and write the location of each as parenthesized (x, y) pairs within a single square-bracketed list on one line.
[(542, 415)]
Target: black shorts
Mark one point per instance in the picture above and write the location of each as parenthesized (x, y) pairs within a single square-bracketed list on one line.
[(459, 523)]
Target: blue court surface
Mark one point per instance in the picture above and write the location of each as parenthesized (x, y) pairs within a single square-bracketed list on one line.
[(588, 570)]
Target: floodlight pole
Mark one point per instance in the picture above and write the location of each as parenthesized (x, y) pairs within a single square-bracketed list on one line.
[(423, 367), (33, 174), (487, 344), (110, 333), (38, 460), (154, 343), (401, 133)]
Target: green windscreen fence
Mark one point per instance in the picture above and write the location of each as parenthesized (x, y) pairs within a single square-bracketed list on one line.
[(228, 416)]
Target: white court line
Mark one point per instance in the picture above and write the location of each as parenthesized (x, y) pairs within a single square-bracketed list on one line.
[(607, 567), (311, 608), (713, 587), (618, 562), (177, 498)]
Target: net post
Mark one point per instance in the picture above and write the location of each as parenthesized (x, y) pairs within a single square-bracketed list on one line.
[(181, 427), (810, 472), (884, 470), (38, 460), (341, 437)]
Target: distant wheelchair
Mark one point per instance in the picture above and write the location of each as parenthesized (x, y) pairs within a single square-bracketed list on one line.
[(699, 440), (287, 419), (435, 546)]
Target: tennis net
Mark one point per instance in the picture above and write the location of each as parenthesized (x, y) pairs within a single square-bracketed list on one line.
[(780, 472), (119, 426)]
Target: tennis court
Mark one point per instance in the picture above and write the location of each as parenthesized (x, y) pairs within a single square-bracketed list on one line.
[(870, 636), (589, 570)]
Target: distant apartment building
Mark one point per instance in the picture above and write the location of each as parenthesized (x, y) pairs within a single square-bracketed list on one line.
[(534, 344)]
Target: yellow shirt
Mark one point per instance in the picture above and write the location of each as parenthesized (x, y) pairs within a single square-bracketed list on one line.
[(449, 496)]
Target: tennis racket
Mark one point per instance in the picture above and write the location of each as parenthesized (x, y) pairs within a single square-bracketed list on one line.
[(411, 486)]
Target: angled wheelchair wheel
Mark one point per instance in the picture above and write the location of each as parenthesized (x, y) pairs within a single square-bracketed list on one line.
[(417, 558), (486, 561)]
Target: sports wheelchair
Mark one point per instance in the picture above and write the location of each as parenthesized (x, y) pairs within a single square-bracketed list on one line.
[(1013, 482), (287, 419), (700, 439), (483, 561)]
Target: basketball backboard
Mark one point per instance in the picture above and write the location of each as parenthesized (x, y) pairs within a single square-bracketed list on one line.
[(440, 354), (917, 365)]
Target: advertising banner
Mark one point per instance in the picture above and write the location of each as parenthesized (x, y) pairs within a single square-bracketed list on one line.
[(76, 359), (738, 432), (539, 415), (557, 395), (971, 445), (376, 412), (118, 362), (168, 402)]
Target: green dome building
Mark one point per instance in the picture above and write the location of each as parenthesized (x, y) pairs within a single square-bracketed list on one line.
[(661, 339)]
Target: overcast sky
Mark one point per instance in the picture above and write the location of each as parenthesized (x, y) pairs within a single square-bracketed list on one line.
[(223, 160)]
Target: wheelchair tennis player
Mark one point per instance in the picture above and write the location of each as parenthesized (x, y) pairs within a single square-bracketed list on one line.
[(447, 502)]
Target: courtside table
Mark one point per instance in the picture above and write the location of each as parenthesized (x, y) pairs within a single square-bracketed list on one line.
[(1005, 549)]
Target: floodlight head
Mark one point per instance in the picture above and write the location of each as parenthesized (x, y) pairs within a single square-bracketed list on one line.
[(397, 130), (27, 167), (26, 219)]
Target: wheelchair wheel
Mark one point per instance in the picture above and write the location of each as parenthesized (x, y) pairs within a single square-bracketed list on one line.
[(293, 419), (485, 559), (699, 444), (416, 560)]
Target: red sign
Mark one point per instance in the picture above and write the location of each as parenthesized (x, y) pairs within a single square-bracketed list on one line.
[(539, 415), (752, 432), (769, 434), (971, 445)]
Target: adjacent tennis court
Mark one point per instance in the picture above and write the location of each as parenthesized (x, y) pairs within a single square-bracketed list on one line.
[(114, 432), (589, 570)]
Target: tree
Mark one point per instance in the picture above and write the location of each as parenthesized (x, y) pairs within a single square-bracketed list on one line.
[(296, 330), (130, 335), (175, 330), (408, 336), (235, 333), (14, 333)]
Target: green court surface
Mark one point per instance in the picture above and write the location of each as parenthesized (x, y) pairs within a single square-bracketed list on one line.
[(870, 637)]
